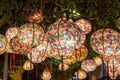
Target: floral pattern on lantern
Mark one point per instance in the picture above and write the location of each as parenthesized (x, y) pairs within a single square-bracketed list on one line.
[(64, 35), (17, 47), (3, 43), (81, 53), (81, 74), (84, 25), (10, 33), (88, 65), (98, 61), (46, 75), (65, 66), (40, 52), (111, 42), (31, 34), (35, 17), (28, 65)]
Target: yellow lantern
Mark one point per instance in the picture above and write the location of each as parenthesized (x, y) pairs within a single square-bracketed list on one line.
[(46, 75), (65, 66), (81, 74), (28, 65), (98, 61)]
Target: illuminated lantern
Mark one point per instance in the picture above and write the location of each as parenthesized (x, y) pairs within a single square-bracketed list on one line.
[(17, 47), (69, 61), (40, 52), (98, 61), (84, 25), (35, 17), (31, 34), (81, 74), (88, 65), (81, 53), (10, 33), (65, 35), (3, 43), (65, 66), (46, 75), (113, 65), (107, 38), (28, 65)]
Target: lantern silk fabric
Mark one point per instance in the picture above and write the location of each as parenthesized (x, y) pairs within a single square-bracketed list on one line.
[(3, 43), (88, 65), (64, 35), (105, 42), (10, 33), (84, 25), (31, 34)]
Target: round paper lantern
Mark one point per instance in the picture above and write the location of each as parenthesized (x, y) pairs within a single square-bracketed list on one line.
[(81, 53), (111, 42), (31, 34), (3, 43), (28, 65), (35, 17), (10, 33), (81, 74), (69, 61), (17, 47), (84, 25), (64, 35), (98, 61), (65, 66), (88, 65), (46, 75)]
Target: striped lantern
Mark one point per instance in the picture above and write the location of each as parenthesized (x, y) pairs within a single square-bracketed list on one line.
[(105, 42)]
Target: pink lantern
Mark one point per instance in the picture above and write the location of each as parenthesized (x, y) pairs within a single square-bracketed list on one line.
[(65, 35), (10, 33), (3, 43), (84, 25), (107, 38), (31, 34), (88, 65)]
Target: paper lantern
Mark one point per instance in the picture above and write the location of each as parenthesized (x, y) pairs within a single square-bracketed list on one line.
[(81, 53), (65, 66), (111, 42), (10, 33), (64, 35), (35, 17), (46, 75), (98, 61), (31, 34), (81, 74), (69, 61), (84, 25), (17, 47), (28, 65), (3, 43), (88, 65)]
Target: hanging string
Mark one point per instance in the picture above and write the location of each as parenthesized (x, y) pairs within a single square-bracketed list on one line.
[(36, 71), (10, 61)]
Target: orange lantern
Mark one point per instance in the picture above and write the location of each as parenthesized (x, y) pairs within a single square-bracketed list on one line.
[(81, 74), (65, 66), (28, 65), (46, 75), (98, 61)]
